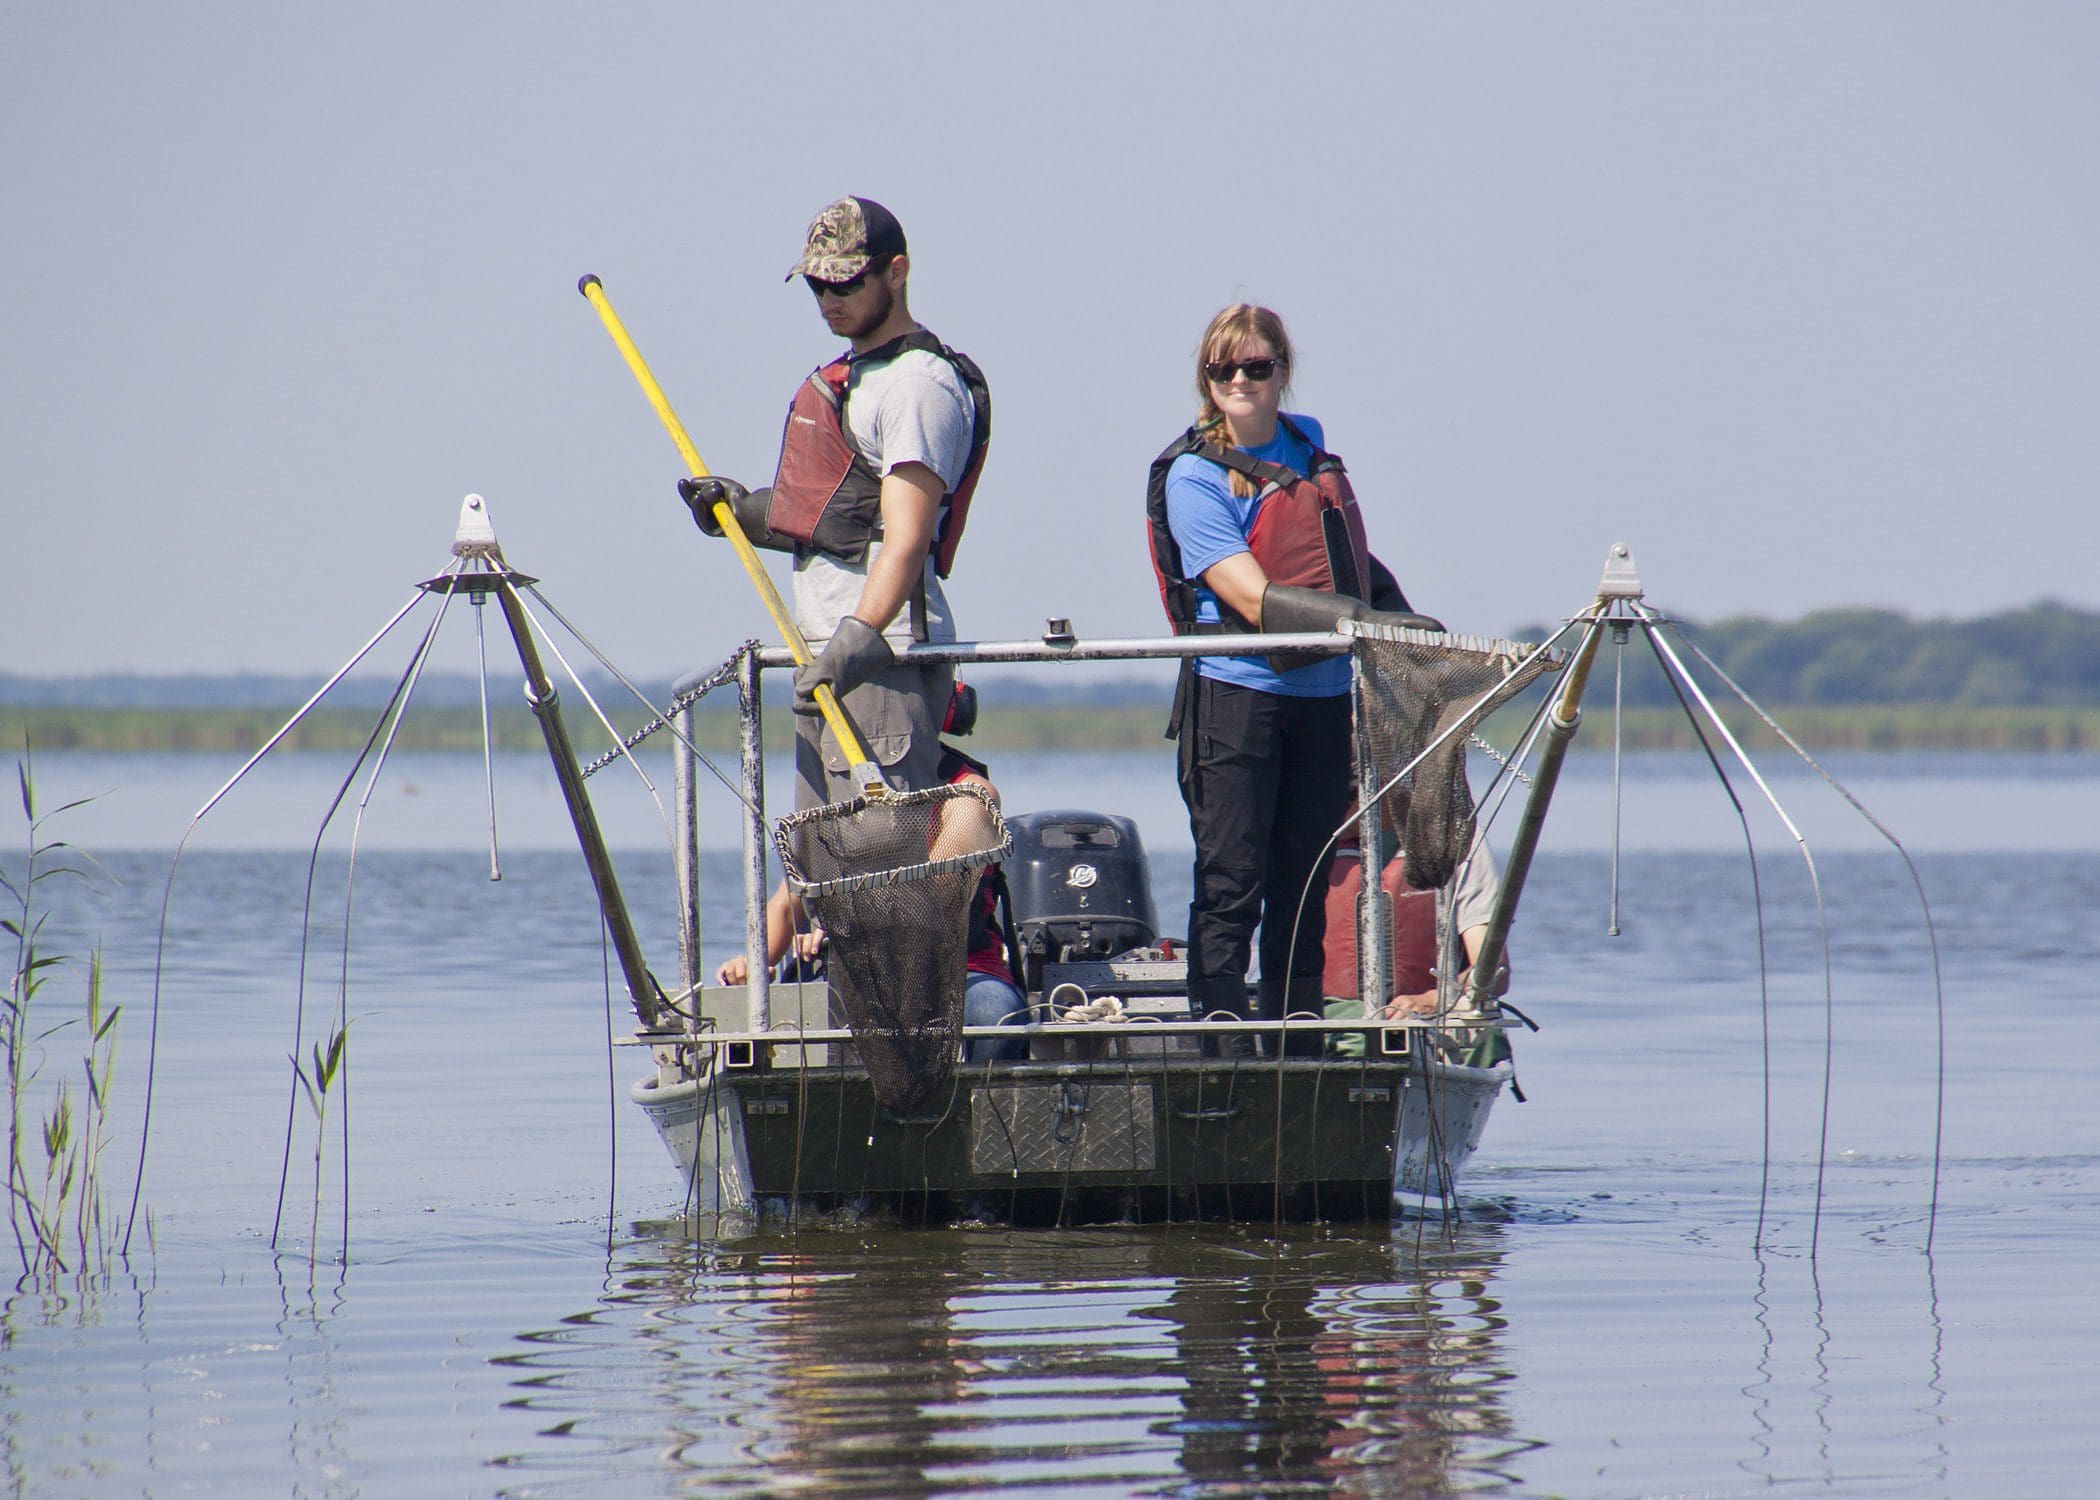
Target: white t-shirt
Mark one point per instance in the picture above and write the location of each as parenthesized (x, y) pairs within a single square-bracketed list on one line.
[(910, 409), (1475, 888)]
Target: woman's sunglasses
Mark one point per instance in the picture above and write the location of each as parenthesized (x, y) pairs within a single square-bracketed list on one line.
[(1220, 371)]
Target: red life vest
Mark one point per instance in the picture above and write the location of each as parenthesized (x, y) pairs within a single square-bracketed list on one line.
[(827, 497), (1414, 928), (1307, 531)]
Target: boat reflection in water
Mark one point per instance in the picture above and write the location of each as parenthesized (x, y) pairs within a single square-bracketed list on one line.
[(909, 1363)]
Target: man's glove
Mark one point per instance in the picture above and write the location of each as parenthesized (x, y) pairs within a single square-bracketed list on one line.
[(855, 653), (703, 495)]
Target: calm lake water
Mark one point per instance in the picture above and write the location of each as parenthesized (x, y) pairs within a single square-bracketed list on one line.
[(523, 1313)]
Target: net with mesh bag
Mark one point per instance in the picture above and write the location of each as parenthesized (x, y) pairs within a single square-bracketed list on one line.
[(1418, 685), (890, 880)]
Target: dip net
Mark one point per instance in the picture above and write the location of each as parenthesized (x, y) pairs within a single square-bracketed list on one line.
[(1417, 685), (890, 880)]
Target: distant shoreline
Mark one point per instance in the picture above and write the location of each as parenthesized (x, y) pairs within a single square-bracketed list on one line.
[(1121, 727)]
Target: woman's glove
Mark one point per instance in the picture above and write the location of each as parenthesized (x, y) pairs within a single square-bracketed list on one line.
[(1288, 611)]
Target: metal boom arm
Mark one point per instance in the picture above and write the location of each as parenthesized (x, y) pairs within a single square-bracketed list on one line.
[(1562, 721), (642, 988)]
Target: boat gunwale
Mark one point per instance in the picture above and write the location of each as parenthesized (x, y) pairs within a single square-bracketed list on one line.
[(795, 1036), (655, 1088)]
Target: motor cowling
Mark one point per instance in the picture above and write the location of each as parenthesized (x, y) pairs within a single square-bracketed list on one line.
[(1081, 888)]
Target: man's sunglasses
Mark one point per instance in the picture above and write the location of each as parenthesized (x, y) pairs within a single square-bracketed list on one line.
[(844, 288), (1220, 371)]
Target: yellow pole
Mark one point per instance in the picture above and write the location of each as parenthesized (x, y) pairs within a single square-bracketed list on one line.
[(594, 292)]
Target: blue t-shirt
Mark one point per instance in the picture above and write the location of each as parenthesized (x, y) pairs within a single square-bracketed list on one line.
[(1210, 523)]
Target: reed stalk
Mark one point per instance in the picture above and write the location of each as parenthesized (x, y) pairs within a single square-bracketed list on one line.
[(58, 1223), (327, 1063)]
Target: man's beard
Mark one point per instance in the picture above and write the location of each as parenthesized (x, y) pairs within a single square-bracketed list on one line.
[(881, 301)]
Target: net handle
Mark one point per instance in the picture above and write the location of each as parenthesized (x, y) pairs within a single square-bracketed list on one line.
[(864, 772)]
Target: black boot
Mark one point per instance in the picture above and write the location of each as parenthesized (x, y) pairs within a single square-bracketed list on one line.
[(1297, 999), (1268, 1004), (1223, 997)]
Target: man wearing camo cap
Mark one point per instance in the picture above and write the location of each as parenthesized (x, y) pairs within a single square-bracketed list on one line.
[(877, 467)]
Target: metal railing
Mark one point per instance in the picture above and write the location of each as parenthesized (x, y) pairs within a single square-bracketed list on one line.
[(1059, 644)]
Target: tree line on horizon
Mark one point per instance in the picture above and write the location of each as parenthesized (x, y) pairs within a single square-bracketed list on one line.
[(2044, 655)]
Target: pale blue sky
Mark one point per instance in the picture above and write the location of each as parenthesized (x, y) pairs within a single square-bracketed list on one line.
[(1798, 299)]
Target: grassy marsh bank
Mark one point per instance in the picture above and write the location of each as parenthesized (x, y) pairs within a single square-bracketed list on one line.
[(1879, 726)]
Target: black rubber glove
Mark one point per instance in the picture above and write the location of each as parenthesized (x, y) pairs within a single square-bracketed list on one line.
[(855, 653), (1287, 611), (701, 496), (749, 507), (1403, 619)]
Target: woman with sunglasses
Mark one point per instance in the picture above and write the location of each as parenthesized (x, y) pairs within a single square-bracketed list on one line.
[(1254, 528)]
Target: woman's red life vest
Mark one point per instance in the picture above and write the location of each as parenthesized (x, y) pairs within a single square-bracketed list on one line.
[(828, 497), (1307, 531), (1414, 928)]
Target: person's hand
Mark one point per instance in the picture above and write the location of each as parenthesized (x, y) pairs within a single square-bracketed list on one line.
[(701, 496), (807, 945), (734, 971), (1286, 610), (1426, 1003), (855, 653)]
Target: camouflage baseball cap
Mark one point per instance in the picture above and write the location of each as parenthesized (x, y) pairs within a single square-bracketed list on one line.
[(845, 237)]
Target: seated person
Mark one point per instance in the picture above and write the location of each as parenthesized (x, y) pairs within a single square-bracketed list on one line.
[(1415, 936), (990, 995), (787, 928)]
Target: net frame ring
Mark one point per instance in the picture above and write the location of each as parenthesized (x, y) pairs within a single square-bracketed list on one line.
[(790, 831)]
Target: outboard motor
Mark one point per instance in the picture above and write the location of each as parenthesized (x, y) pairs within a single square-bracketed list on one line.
[(1081, 888)]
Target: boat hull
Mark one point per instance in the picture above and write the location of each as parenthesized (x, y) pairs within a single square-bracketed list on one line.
[(1336, 1139), (703, 1129)]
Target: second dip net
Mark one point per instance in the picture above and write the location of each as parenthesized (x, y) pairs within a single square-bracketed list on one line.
[(1422, 688)]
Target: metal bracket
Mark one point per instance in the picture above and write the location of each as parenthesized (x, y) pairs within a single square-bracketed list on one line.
[(1621, 579), (476, 535)]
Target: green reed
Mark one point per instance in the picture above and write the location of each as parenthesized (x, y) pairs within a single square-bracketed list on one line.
[(327, 1064), (57, 1215)]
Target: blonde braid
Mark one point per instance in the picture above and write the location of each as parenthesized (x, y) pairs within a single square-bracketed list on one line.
[(1211, 428)]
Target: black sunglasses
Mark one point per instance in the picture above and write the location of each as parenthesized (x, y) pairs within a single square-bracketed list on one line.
[(844, 288), (1220, 371)]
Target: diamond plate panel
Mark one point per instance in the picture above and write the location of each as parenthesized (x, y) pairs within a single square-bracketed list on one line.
[(1062, 1127)]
